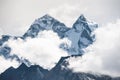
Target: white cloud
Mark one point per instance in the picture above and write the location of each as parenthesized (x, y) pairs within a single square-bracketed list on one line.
[(43, 50), (5, 64), (104, 55)]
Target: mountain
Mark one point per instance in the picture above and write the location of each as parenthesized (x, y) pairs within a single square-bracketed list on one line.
[(23, 72), (46, 23), (59, 72), (79, 35)]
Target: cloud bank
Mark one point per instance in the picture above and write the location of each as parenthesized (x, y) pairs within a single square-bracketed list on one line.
[(104, 55), (43, 50)]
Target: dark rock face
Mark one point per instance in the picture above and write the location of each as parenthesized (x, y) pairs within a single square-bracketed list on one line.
[(24, 73), (59, 72), (79, 35), (4, 39)]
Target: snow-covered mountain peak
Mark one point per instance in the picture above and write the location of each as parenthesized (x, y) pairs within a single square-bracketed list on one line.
[(81, 24), (46, 16), (45, 19), (82, 18), (46, 23), (79, 34)]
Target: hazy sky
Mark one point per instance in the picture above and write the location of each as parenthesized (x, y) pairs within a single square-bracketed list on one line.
[(17, 15)]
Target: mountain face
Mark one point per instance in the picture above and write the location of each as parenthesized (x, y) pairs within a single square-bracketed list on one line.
[(80, 36), (59, 72), (23, 72), (46, 23)]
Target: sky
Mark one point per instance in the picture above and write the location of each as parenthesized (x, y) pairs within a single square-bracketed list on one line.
[(16, 16), (103, 56)]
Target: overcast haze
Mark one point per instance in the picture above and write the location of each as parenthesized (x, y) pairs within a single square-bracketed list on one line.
[(17, 15)]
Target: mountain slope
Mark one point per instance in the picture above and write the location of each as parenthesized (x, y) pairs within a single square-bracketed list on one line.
[(46, 23), (23, 72), (59, 72), (79, 35)]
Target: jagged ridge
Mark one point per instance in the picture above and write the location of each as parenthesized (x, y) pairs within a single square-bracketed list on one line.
[(59, 72), (79, 34)]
